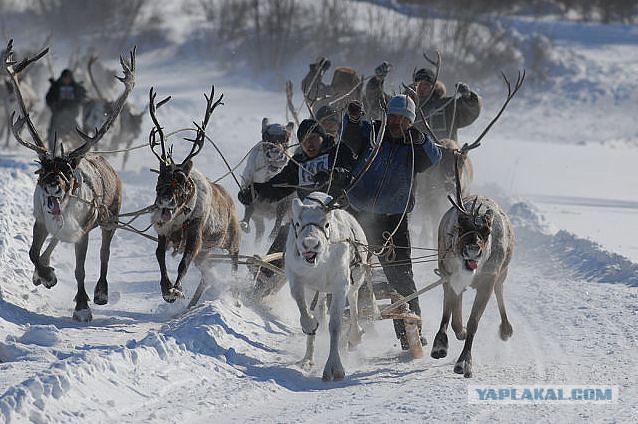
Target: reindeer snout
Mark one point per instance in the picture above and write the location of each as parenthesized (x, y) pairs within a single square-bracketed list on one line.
[(310, 243), (472, 250)]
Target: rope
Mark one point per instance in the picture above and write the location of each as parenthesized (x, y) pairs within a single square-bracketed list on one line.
[(453, 112)]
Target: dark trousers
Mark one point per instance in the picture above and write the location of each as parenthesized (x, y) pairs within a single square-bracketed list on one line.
[(398, 265), (265, 283)]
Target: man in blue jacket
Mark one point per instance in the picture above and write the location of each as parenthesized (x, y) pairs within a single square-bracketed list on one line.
[(384, 194)]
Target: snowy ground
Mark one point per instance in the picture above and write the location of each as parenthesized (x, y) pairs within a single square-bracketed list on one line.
[(573, 304)]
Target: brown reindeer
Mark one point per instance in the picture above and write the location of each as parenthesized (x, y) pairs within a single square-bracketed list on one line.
[(129, 123), (75, 193), (193, 215), (476, 243)]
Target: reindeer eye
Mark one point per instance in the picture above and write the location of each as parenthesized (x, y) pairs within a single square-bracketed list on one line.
[(296, 225), (327, 224)]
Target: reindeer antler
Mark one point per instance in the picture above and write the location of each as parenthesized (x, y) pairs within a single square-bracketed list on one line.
[(129, 82), (510, 94), (157, 129), (198, 141), (92, 60), (458, 204), (13, 69)]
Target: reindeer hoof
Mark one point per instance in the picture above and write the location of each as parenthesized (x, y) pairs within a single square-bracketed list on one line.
[(101, 293), (83, 315), (439, 348), (506, 330), (306, 364), (335, 372), (245, 227), (172, 295), (100, 298), (47, 278), (464, 367)]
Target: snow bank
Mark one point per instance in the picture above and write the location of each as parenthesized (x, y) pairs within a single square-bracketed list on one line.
[(577, 257)]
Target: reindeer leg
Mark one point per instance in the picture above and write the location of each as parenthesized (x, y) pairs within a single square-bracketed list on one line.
[(308, 322), (333, 369), (505, 328), (165, 282), (457, 318), (355, 331), (201, 288), (192, 246), (260, 228), (279, 218), (484, 288), (101, 293), (82, 311), (245, 221), (43, 273), (440, 345)]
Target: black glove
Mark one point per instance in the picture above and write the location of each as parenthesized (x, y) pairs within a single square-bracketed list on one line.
[(321, 178), (463, 89), (355, 111), (340, 179), (322, 63), (246, 195)]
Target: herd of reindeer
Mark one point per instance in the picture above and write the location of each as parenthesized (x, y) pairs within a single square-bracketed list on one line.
[(78, 191)]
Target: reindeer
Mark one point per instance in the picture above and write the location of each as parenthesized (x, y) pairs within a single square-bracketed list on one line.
[(193, 215), (75, 193), (325, 252), (266, 160), (129, 124), (475, 249)]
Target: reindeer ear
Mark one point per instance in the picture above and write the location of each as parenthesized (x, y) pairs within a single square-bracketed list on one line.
[(187, 167), (264, 124), (296, 208), (290, 126)]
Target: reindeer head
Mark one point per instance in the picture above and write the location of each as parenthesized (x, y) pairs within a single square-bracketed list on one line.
[(58, 174), (275, 138), (174, 187), (474, 231), (474, 227), (311, 225)]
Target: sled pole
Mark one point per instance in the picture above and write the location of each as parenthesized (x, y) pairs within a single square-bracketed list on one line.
[(414, 295)]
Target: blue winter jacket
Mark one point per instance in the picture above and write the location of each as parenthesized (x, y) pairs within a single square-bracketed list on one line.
[(385, 187)]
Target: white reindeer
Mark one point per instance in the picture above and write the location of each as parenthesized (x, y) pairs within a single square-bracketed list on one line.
[(265, 161), (324, 252)]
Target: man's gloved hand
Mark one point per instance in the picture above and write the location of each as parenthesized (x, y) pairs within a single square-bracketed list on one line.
[(322, 63), (355, 111), (383, 69), (463, 89), (340, 179), (321, 178), (246, 195)]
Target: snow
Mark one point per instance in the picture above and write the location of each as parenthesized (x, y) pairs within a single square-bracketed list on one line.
[(562, 166)]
